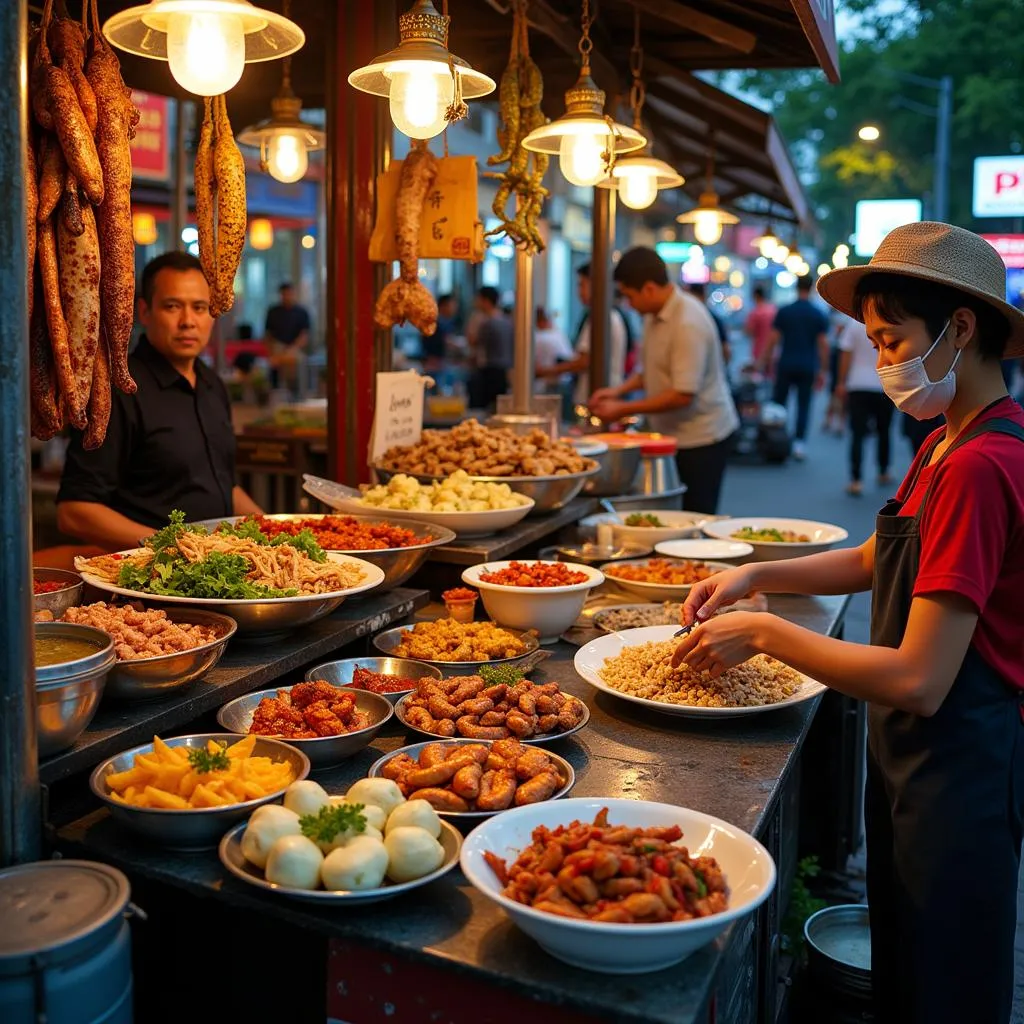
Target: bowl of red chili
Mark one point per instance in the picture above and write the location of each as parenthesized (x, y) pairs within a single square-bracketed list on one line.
[(392, 678), (55, 591), (399, 548), (540, 595)]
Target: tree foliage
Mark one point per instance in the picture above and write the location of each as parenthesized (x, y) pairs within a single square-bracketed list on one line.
[(977, 42)]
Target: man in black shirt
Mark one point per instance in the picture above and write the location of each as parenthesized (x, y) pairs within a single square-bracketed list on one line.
[(287, 332), (169, 446)]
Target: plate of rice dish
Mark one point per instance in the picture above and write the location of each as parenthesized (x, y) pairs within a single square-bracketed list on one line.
[(635, 664)]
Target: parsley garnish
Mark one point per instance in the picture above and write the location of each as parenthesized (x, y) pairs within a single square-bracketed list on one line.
[(203, 761), (332, 819), (492, 675)]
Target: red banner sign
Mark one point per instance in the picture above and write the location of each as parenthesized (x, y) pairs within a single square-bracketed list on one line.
[(1010, 247), (151, 151)]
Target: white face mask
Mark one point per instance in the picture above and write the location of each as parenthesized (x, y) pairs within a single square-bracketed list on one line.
[(911, 389)]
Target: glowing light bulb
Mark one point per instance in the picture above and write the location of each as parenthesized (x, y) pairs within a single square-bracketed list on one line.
[(287, 159), (767, 245), (206, 52), (581, 158), (706, 227), (638, 187), (421, 92), (781, 253), (793, 262)]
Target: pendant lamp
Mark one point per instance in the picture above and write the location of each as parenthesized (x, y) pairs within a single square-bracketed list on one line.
[(707, 217)]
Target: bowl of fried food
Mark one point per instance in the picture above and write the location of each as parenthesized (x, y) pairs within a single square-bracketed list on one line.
[(392, 678), (54, 591), (183, 793), (610, 885), (498, 703), (465, 780), (158, 652), (457, 648), (661, 579), (326, 723)]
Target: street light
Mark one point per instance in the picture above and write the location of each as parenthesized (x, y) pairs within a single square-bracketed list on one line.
[(869, 133)]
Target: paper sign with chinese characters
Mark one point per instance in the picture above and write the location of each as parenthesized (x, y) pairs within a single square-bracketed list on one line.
[(398, 416), (450, 228)]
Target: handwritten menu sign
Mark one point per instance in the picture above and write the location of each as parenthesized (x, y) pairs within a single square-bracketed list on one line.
[(398, 416)]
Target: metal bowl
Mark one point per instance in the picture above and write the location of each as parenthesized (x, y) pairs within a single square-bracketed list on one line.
[(57, 602), (339, 673), (593, 554), (618, 471), (155, 678), (839, 948), (398, 563), (669, 500), (325, 751), (387, 641), (199, 828), (68, 694), (548, 492)]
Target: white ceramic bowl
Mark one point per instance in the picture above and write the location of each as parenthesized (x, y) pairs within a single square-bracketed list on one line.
[(548, 610), (677, 524), (702, 548), (655, 591), (823, 536), (622, 948)]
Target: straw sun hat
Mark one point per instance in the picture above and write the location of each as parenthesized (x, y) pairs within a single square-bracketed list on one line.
[(936, 252)]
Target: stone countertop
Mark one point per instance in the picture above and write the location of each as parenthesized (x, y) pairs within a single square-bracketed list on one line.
[(731, 768), (474, 550), (245, 666)]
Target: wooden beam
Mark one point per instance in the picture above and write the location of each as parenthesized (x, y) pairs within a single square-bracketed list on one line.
[(694, 20), (706, 115)]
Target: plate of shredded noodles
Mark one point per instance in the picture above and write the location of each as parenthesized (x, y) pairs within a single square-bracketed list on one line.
[(267, 584)]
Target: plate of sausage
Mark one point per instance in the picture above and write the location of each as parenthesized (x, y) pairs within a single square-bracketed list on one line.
[(466, 780)]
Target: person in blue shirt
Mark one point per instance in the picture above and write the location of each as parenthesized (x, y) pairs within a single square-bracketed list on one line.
[(800, 334)]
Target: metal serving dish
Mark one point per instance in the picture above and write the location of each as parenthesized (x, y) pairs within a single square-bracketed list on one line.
[(669, 500), (591, 554), (57, 602), (619, 466), (155, 678), (325, 751), (839, 948), (199, 828), (339, 673), (68, 693), (548, 492), (414, 750), (398, 563), (387, 641)]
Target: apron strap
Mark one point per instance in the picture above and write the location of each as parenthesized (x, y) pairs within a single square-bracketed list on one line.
[(994, 426)]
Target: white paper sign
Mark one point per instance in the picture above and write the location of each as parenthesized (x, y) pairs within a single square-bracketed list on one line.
[(398, 414)]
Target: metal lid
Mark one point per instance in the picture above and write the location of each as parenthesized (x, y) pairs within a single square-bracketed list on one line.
[(56, 903), (658, 446), (101, 658)]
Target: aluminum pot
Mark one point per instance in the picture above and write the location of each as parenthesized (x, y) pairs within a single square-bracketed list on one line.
[(68, 693), (839, 949), (619, 467), (57, 602)]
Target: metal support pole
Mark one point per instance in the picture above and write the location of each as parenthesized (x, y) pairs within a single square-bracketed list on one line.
[(179, 209), (603, 227), (522, 359), (943, 131), (19, 772)]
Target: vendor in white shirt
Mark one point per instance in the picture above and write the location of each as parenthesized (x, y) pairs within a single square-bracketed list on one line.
[(579, 364), (550, 348), (686, 393)]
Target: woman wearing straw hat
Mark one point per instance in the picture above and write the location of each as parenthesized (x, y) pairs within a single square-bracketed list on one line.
[(944, 673)]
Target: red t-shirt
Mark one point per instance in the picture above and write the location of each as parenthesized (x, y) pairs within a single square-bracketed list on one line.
[(972, 536)]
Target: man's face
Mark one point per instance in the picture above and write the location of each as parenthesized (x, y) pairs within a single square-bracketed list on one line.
[(644, 300), (287, 297), (583, 289), (178, 321), (447, 308)]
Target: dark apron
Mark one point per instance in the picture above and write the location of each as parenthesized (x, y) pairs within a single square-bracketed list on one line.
[(944, 807)]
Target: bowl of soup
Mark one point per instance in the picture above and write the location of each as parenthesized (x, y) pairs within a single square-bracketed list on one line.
[(71, 666)]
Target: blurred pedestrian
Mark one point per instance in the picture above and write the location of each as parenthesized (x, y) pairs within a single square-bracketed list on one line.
[(685, 391), (760, 321), (700, 291), (868, 407), (495, 346), (800, 332), (434, 347), (287, 335), (551, 347)]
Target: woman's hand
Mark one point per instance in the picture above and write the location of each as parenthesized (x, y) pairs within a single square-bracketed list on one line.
[(718, 591), (722, 643)]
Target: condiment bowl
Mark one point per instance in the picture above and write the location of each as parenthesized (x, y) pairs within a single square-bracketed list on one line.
[(57, 602), (621, 948), (324, 751), (154, 678), (340, 673), (197, 828), (68, 693), (548, 610)]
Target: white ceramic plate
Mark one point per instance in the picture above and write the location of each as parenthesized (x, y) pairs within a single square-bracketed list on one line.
[(823, 536), (622, 948), (677, 524), (655, 591), (230, 851), (591, 657), (702, 548)]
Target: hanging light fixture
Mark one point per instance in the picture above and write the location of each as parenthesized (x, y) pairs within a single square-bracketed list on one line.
[(206, 42), (587, 141), (794, 261), (639, 176), (261, 233), (423, 81), (284, 139), (707, 217), (767, 242)]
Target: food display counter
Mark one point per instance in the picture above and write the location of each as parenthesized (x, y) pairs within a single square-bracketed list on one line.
[(442, 950)]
